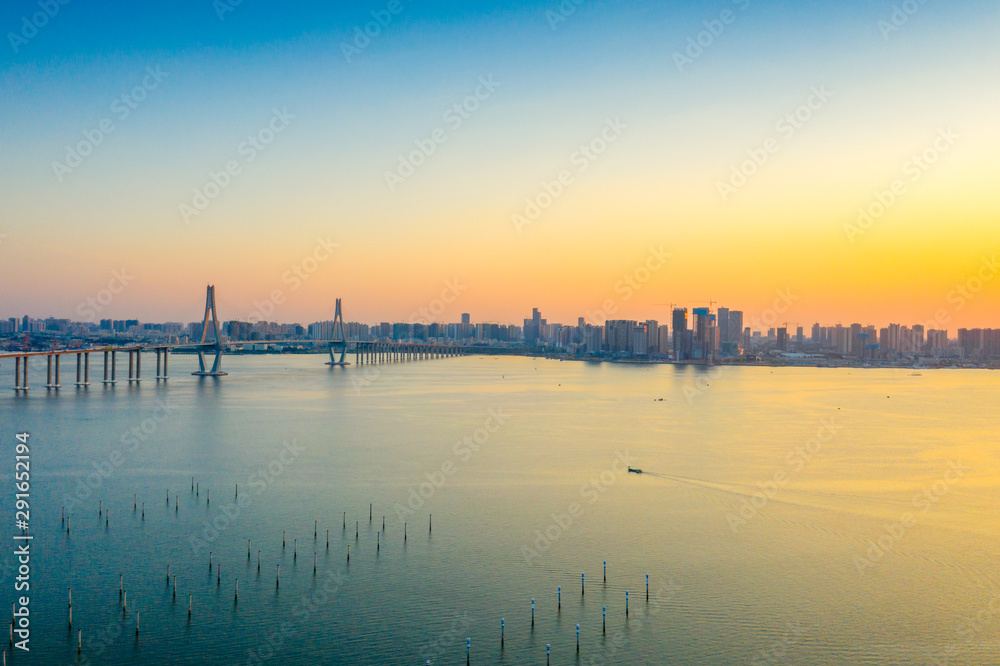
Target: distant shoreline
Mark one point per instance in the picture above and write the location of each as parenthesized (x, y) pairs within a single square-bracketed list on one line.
[(766, 363)]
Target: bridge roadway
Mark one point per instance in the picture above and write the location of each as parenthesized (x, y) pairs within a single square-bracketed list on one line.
[(364, 352)]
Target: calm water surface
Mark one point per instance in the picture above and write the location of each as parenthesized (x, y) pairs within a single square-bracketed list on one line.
[(786, 515)]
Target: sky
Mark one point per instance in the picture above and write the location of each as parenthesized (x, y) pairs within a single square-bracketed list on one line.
[(801, 161)]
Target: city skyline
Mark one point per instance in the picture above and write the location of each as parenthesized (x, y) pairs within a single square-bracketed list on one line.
[(535, 154), (769, 319)]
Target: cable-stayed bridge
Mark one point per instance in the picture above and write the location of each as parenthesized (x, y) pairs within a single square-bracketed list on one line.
[(212, 343)]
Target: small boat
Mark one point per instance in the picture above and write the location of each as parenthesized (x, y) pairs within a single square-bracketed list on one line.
[(633, 470)]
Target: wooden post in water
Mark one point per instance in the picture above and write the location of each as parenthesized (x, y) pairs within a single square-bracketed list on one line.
[(277, 580), (583, 588), (328, 539), (626, 603), (315, 525), (189, 606), (501, 633), (604, 619), (605, 571), (137, 623), (79, 641), (314, 563), (647, 587), (532, 613), (237, 597)]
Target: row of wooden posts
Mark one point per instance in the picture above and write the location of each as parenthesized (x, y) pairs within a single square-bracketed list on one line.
[(196, 488)]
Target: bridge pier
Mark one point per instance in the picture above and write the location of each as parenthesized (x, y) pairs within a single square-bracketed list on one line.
[(20, 385), (48, 371), (164, 351), (137, 377), (86, 369), (113, 366)]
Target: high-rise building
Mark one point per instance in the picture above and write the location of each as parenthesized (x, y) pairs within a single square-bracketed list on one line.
[(782, 339), (618, 335), (736, 331), (725, 334), (663, 340), (466, 318), (639, 343), (593, 338), (857, 344), (652, 336), (533, 328), (679, 328)]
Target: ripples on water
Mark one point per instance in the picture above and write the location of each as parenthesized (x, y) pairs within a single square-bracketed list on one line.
[(785, 581)]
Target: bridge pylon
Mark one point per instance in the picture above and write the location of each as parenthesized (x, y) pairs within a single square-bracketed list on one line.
[(217, 347), (338, 341)]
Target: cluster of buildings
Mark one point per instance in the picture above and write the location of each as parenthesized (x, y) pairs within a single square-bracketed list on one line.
[(691, 335)]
